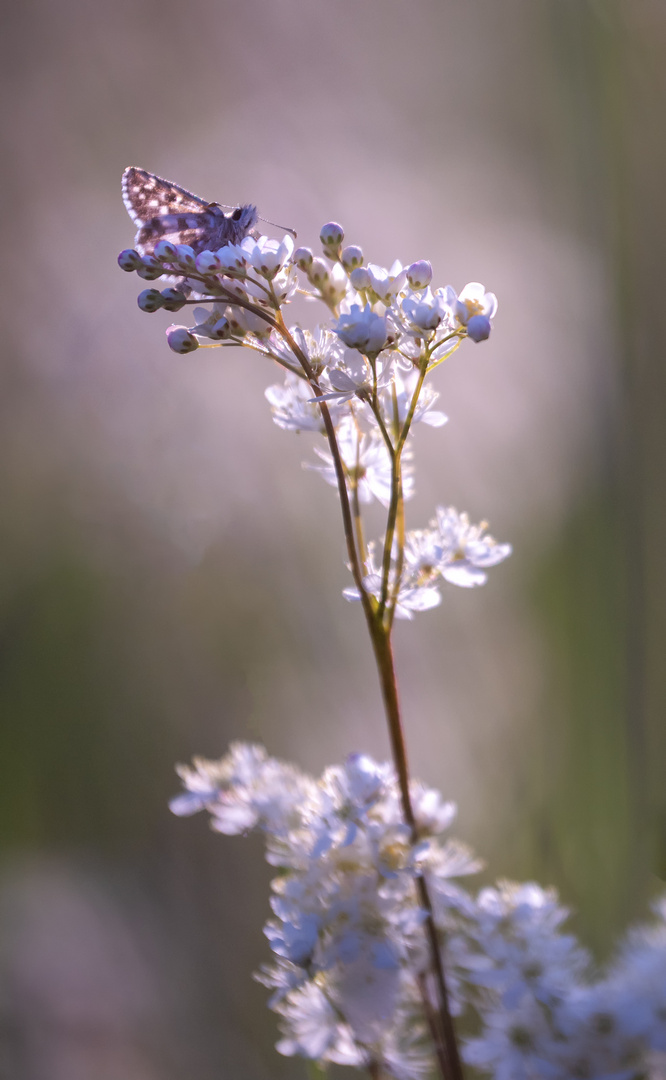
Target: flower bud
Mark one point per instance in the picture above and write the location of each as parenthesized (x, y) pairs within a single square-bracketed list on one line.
[(173, 299), (478, 327), (351, 257), (149, 300), (181, 340), (318, 272), (419, 274), (334, 288), (360, 279), (208, 262), (185, 256), (332, 235), (165, 251), (129, 260), (303, 258), (232, 258), (150, 268)]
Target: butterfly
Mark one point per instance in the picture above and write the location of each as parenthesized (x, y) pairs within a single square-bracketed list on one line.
[(162, 210)]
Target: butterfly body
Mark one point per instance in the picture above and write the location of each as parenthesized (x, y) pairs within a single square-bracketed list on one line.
[(164, 211)]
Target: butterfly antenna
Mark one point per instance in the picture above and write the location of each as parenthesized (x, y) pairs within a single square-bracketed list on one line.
[(284, 228)]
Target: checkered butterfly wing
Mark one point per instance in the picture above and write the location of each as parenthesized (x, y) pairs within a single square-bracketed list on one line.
[(161, 210), (164, 211)]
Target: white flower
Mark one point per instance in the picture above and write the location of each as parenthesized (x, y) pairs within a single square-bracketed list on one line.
[(413, 595), (203, 784), (405, 385), (444, 861), (518, 934), (243, 790), (362, 329), (637, 982), (352, 375), (365, 779), (425, 311), (516, 1045), (347, 931), (451, 549), (467, 552), (294, 408), (267, 256), (424, 555), (211, 323), (386, 284), (311, 1024), (473, 300), (368, 989), (295, 940), (284, 284), (596, 1034), (322, 348), (433, 815), (367, 464)]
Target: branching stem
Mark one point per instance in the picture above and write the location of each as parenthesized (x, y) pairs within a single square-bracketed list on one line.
[(439, 1019), (347, 518)]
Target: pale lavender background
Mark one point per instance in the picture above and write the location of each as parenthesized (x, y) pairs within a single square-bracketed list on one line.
[(172, 578)]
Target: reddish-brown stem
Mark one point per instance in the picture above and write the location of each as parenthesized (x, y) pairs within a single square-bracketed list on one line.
[(432, 1019), (381, 641), (347, 519), (375, 1069)]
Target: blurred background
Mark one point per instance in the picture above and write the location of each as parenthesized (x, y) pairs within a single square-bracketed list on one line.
[(170, 577)]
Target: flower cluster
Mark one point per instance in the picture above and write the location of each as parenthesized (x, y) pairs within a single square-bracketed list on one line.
[(543, 1014), (348, 943), (363, 380), (347, 932), (450, 550)]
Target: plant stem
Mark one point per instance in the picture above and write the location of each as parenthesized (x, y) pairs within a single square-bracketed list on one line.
[(440, 1021), (396, 492), (375, 1070), (449, 1057), (347, 519), (433, 1021)]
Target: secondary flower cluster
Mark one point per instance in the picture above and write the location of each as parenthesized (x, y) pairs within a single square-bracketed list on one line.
[(369, 367), (347, 934), (349, 952), (450, 550)]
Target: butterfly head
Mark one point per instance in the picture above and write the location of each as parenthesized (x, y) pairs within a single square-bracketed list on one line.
[(244, 217)]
